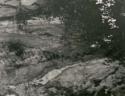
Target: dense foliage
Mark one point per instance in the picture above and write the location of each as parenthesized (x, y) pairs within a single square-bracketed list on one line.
[(16, 46), (63, 91), (87, 23)]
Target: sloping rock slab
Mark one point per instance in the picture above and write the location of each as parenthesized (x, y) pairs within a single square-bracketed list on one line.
[(93, 76)]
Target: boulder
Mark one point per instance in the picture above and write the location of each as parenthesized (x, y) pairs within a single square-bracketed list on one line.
[(94, 76)]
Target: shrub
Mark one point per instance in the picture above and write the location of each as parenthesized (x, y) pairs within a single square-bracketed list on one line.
[(50, 55), (58, 90), (70, 92), (16, 46)]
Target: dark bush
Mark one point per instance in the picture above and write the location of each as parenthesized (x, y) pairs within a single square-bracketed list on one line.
[(16, 46), (70, 92), (52, 55), (78, 91)]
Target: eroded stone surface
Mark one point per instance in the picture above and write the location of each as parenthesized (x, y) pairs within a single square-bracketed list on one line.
[(92, 75)]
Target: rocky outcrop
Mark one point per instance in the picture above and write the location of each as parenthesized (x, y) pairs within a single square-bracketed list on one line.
[(92, 76), (9, 7)]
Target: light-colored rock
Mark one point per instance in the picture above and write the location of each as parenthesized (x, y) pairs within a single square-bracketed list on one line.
[(91, 75), (9, 7), (28, 2)]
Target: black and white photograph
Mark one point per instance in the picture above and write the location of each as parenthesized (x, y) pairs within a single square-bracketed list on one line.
[(62, 47)]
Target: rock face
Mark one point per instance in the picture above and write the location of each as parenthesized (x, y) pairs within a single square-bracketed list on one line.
[(90, 72), (92, 76), (9, 7), (28, 2)]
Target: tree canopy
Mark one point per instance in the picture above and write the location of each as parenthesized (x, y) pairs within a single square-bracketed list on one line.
[(89, 22)]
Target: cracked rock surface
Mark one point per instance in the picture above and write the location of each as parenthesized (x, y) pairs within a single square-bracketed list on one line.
[(92, 75)]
